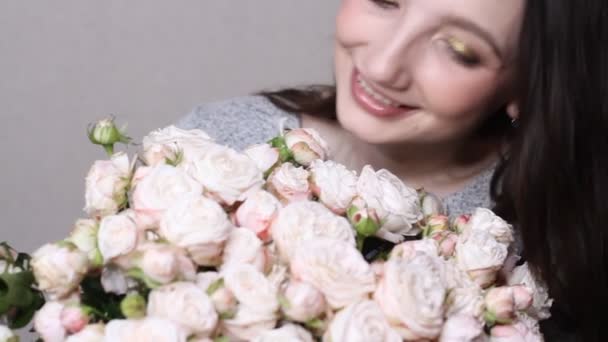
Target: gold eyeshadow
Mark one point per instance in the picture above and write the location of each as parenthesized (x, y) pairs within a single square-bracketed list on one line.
[(462, 50)]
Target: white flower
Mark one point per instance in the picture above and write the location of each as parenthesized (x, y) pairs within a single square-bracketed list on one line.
[(301, 221), (258, 304), (185, 304), (286, 333), (397, 205), (336, 268), (480, 255), (524, 329), (114, 280), (59, 269), (171, 144), (165, 263), (6, 335), (47, 322), (118, 235), (484, 219), (467, 301), (90, 333), (257, 213), (303, 302), (243, 247), (156, 189), (213, 285), (431, 204), (289, 183), (306, 145), (409, 249), (264, 156), (199, 225), (148, 329), (541, 302), (411, 294), (361, 322), (334, 184), (84, 236), (106, 185), (227, 175), (461, 328)]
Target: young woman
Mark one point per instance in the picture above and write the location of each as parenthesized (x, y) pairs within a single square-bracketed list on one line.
[(487, 103)]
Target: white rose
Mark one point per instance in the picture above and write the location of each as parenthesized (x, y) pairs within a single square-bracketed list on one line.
[(114, 280), (164, 263), (524, 329), (157, 189), (306, 145), (47, 322), (172, 144), (199, 225), (264, 156), (257, 213), (541, 302), (397, 205), (361, 322), (244, 247), (6, 335), (90, 333), (467, 301), (302, 221), (227, 175), (302, 301), (84, 236), (484, 219), (334, 185), (289, 183), (213, 285), (106, 185), (286, 333), (258, 304), (148, 329), (59, 269), (336, 268), (480, 256), (409, 249), (411, 294), (118, 235), (185, 304), (462, 328)]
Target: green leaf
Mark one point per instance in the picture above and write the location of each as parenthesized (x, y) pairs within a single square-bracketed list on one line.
[(216, 285), (315, 324), (103, 306), (284, 302)]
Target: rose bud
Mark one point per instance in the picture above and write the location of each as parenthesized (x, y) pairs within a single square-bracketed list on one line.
[(500, 305), (133, 306), (460, 223), (431, 204), (257, 213), (47, 322), (436, 224), (84, 236), (364, 219), (447, 243), (106, 134), (73, 319), (306, 145)]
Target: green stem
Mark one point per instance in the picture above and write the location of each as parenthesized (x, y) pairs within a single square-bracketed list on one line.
[(360, 241)]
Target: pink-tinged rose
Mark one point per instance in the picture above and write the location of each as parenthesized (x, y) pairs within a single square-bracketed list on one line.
[(436, 224), (522, 297), (306, 145), (335, 268), (265, 156), (73, 319), (431, 204), (333, 184), (289, 184), (500, 305), (106, 185), (411, 294), (165, 263), (525, 329), (288, 332), (485, 220), (157, 189), (302, 221), (409, 249), (361, 322), (541, 302), (227, 175), (118, 235), (172, 145), (90, 333), (147, 329), (462, 328), (59, 268), (460, 223), (223, 300), (397, 205), (244, 247), (466, 301), (257, 213), (47, 322), (447, 241), (199, 225), (185, 304), (480, 256), (84, 236), (302, 301)]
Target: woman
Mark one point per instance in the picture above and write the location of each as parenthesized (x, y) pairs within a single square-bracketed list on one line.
[(448, 97)]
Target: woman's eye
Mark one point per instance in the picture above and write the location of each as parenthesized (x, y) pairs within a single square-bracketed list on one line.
[(386, 3), (462, 53)]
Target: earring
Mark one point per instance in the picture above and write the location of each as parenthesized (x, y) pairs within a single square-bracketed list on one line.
[(514, 123)]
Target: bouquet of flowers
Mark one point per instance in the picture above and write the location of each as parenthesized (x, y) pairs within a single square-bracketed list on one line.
[(194, 241)]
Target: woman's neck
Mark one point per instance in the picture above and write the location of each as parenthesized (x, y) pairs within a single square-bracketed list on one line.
[(441, 169)]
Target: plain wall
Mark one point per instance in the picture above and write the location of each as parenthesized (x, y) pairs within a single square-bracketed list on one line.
[(67, 63)]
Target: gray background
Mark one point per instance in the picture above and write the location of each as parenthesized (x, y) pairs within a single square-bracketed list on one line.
[(66, 63)]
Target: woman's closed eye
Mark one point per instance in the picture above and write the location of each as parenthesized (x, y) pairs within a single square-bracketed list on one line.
[(386, 3), (462, 53)]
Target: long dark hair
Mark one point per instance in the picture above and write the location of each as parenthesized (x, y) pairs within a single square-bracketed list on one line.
[(554, 178)]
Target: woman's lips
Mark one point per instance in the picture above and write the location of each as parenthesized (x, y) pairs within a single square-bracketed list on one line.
[(374, 103)]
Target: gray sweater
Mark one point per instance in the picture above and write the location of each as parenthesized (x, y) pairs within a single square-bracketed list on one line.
[(244, 121)]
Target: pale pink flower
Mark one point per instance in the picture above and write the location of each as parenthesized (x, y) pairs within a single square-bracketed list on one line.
[(287, 333), (106, 185), (90, 333), (244, 247), (118, 235), (47, 322), (213, 284), (333, 184), (59, 268), (264, 156), (73, 319), (541, 302), (303, 302), (525, 329), (462, 328), (485, 220), (306, 145), (289, 183), (257, 213), (147, 329), (361, 322), (174, 145), (480, 256)]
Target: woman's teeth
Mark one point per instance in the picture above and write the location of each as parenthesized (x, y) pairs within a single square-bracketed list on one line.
[(375, 95)]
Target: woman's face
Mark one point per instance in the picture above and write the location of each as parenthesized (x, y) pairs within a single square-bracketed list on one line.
[(423, 71)]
